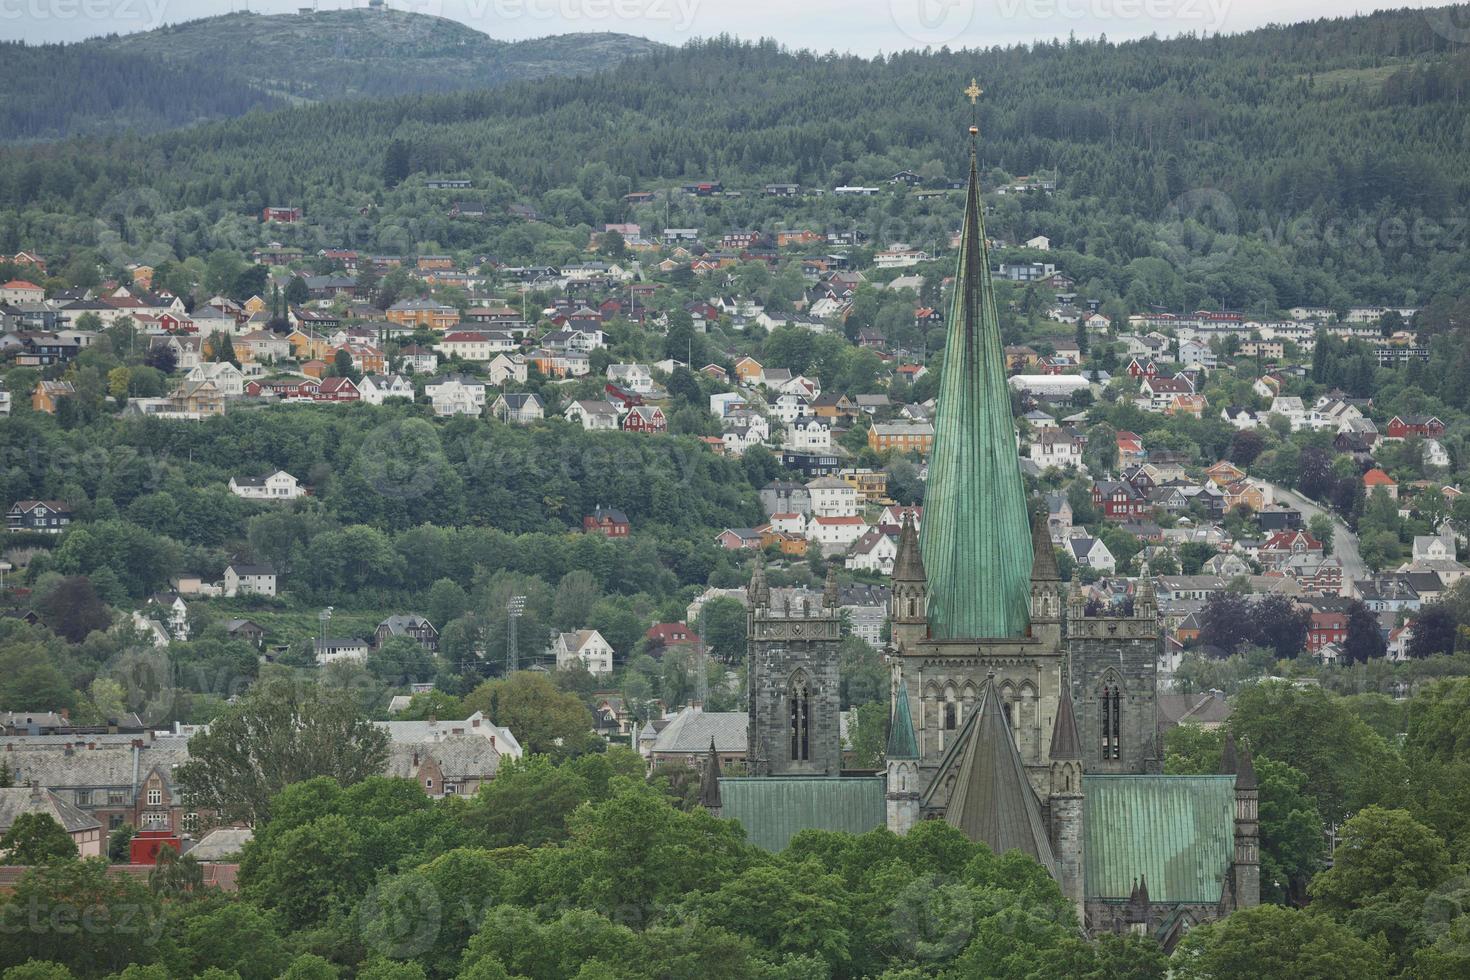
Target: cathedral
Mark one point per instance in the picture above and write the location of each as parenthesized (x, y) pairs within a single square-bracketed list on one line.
[(1015, 715)]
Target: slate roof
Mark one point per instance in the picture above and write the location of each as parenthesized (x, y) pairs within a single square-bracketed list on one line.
[(775, 809), (223, 844), (690, 732), (1177, 832), (18, 800), (459, 757)]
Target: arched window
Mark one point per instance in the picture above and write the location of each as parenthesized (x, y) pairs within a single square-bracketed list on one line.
[(949, 716), (1111, 705), (1010, 715), (913, 607), (801, 717)]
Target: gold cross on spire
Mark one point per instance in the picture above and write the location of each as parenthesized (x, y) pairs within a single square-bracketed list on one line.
[(974, 92)]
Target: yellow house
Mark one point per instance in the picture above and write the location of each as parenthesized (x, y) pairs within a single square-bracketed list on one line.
[(48, 394), (749, 370), (254, 305), (308, 346)]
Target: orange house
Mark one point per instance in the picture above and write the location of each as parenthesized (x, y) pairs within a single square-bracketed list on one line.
[(749, 370), (47, 395), (906, 437), (309, 345), (423, 313), (314, 368)]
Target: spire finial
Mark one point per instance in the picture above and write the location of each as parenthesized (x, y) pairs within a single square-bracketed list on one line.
[(974, 92)]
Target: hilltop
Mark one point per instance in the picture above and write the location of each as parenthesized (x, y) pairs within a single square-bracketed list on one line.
[(220, 67)]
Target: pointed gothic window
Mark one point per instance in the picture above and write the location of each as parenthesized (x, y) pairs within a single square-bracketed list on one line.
[(949, 716), (1117, 715), (801, 716)]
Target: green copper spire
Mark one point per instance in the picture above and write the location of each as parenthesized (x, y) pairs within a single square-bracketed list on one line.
[(976, 537), (902, 744)]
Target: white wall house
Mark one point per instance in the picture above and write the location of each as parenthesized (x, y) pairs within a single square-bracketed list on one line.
[(453, 396), (809, 433), (279, 485), (378, 388), (585, 647), (249, 580), (229, 379), (592, 414), (832, 497)]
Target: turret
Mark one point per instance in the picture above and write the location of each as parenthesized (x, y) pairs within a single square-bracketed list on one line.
[(1247, 865), (1066, 801), (908, 606), (709, 781), (902, 758), (1046, 584)]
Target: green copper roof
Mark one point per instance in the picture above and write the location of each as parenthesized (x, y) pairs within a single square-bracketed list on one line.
[(1175, 832), (901, 741), (774, 809), (976, 536)]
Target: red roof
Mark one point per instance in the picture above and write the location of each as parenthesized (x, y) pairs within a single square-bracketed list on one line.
[(1377, 478), (20, 284)]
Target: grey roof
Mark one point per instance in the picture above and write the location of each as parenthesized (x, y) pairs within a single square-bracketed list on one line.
[(110, 764), (1065, 742), (691, 732), (993, 801), (459, 757), (402, 624), (17, 800), (223, 844)]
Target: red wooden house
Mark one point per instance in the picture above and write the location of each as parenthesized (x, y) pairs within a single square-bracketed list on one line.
[(1120, 501), (1403, 426), (338, 390), (608, 522), (645, 418)]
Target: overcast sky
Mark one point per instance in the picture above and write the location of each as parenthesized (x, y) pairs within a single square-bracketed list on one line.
[(861, 26)]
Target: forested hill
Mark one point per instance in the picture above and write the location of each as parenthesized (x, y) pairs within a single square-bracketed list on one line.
[(1331, 120), (223, 66)]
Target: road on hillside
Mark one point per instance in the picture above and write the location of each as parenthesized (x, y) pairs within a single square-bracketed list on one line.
[(1344, 541)]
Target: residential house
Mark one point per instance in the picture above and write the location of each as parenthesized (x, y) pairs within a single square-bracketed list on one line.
[(227, 379), (249, 579), (1119, 500), (809, 433), (1376, 480), (278, 485), (607, 521), (418, 360), (592, 414), (456, 394), (1091, 553), (832, 497), (378, 388), (332, 649), (874, 552), (48, 516), (1404, 426), (903, 437), (338, 390), (585, 647), (522, 409), (506, 368), (415, 628), (736, 538), (835, 534), (785, 497), (423, 313), (47, 395), (1058, 447)]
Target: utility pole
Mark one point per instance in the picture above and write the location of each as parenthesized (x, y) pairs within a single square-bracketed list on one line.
[(513, 609), (325, 616)]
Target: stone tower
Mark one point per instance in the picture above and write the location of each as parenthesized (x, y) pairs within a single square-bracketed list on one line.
[(1246, 870), (909, 602), (795, 697), (1114, 683)]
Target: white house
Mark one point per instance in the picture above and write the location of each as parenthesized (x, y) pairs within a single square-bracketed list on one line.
[(279, 485), (1435, 454), (335, 648), (1196, 352), (1056, 447), (377, 388), (790, 407), (744, 430), (504, 368), (229, 379), (1290, 408), (831, 497), (631, 377), (456, 395), (874, 552), (592, 414), (835, 534), (418, 360), (585, 647), (1092, 553), (809, 433), (521, 409), (249, 580)]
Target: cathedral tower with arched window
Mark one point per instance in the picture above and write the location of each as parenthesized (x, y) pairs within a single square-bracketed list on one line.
[(795, 693)]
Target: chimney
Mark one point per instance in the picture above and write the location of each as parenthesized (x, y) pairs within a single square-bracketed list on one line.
[(415, 758), (137, 743), (475, 723)]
